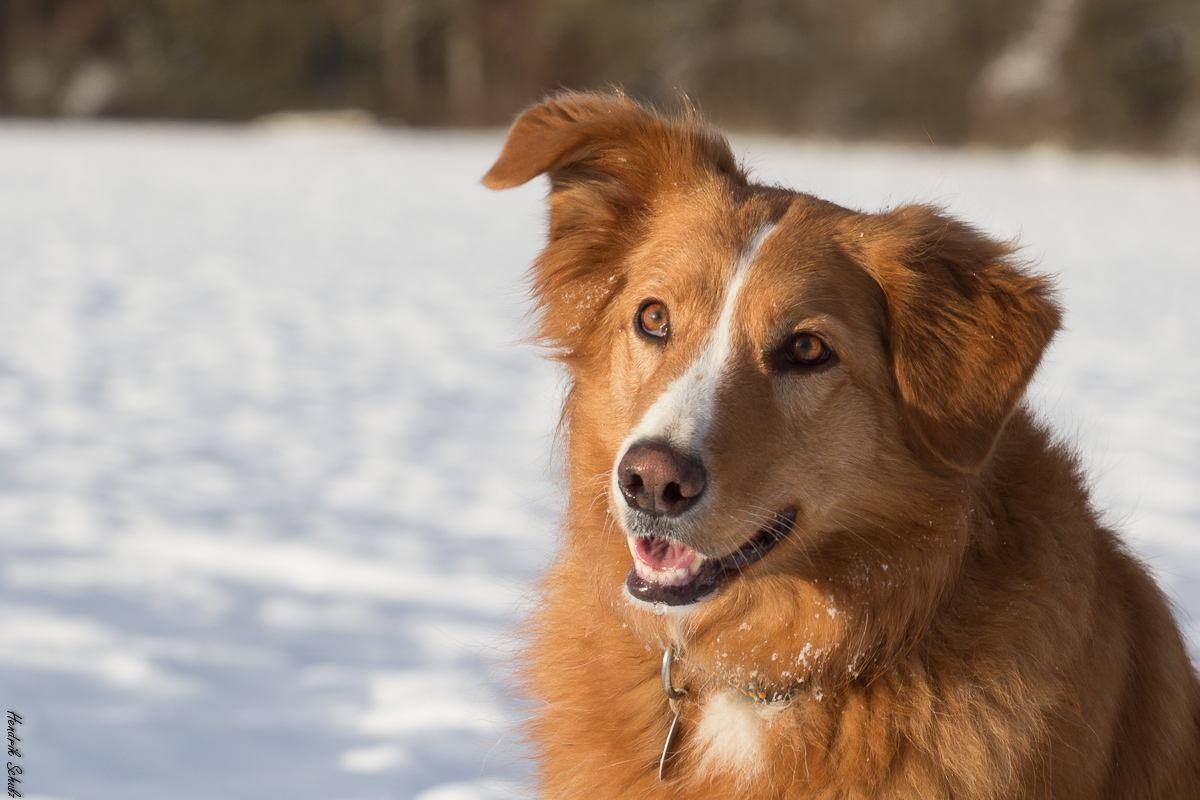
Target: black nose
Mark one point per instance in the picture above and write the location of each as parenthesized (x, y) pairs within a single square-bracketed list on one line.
[(659, 479)]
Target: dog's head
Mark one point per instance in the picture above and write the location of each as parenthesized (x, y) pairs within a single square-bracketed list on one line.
[(753, 366)]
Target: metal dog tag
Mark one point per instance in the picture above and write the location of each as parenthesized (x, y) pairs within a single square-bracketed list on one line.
[(669, 746), (674, 699)]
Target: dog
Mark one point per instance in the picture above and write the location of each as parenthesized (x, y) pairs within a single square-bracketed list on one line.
[(814, 545)]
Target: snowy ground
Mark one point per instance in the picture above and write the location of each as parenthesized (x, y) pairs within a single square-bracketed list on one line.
[(273, 464)]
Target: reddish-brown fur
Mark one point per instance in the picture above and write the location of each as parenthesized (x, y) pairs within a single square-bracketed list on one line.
[(948, 616)]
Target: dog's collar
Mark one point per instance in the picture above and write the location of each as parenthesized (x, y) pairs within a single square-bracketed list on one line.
[(753, 692), (676, 694)]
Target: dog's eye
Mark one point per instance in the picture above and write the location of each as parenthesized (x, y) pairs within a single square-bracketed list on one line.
[(653, 320), (808, 349)]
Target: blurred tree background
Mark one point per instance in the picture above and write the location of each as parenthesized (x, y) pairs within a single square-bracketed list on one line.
[(1085, 73)]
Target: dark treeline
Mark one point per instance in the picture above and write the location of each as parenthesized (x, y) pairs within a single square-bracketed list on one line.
[(1088, 73)]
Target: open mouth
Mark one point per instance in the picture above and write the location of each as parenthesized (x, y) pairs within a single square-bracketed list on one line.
[(667, 572)]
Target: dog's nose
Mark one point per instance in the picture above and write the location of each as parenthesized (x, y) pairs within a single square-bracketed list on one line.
[(660, 480)]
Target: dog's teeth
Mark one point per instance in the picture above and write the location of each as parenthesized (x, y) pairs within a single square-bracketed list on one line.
[(665, 577)]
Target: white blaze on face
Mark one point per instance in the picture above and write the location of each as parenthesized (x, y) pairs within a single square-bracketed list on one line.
[(683, 413)]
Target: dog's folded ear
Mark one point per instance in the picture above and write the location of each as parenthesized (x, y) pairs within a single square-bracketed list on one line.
[(966, 328), (577, 134), (611, 148), (566, 133)]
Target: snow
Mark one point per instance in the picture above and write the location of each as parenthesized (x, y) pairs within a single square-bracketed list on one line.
[(275, 468)]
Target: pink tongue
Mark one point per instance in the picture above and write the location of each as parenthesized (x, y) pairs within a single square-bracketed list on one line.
[(659, 553)]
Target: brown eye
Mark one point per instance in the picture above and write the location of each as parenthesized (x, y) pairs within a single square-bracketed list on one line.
[(808, 349), (652, 319)]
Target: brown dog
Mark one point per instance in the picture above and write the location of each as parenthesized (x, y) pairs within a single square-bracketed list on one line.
[(872, 573)]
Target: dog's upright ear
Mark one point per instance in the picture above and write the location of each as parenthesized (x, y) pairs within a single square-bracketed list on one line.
[(609, 160), (966, 328)]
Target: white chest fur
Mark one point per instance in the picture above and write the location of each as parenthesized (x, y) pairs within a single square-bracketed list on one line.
[(730, 733)]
